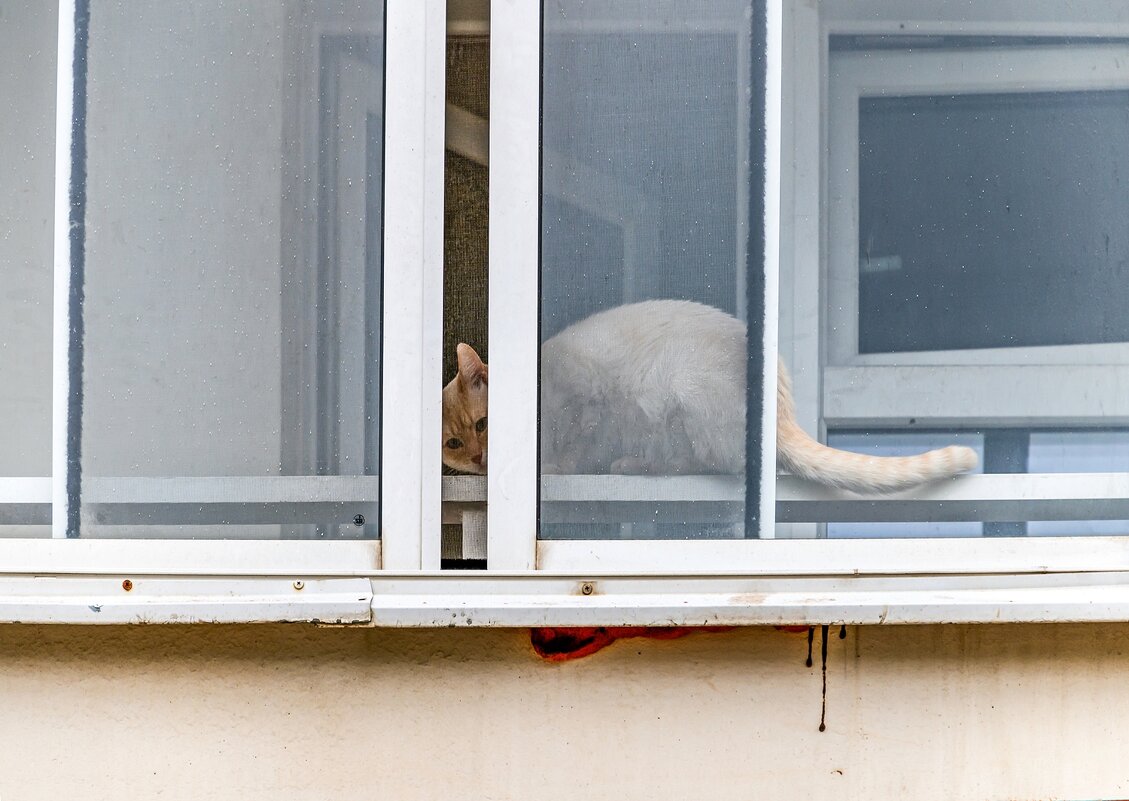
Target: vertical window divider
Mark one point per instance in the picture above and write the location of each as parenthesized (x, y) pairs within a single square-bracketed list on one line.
[(514, 299), (773, 98), (415, 109), (69, 245)]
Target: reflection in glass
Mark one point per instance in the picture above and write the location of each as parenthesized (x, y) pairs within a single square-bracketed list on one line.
[(993, 220), (232, 269), (28, 33)]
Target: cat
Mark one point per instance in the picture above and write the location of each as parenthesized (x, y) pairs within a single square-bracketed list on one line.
[(658, 387)]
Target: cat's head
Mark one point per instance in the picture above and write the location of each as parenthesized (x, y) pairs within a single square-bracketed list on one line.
[(464, 414)]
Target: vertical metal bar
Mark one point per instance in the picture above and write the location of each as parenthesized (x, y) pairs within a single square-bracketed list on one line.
[(413, 278), (515, 228), (434, 171), (763, 267), (69, 266)]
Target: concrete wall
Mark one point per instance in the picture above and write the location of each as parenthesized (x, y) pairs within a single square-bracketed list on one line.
[(958, 713)]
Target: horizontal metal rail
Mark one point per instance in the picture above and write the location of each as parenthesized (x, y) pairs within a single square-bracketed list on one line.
[(25, 501), (339, 499), (212, 500), (978, 498)]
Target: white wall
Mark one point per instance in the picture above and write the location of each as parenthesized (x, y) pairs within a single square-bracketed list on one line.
[(945, 713)]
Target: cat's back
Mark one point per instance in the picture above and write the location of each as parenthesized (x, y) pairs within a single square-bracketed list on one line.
[(650, 330), (656, 384)]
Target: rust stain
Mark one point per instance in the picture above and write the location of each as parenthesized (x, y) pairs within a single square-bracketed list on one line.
[(561, 644), (127, 585), (564, 644)]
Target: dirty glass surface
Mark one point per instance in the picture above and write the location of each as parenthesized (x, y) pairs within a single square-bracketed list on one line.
[(27, 139), (993, 220), (231, 348), (645, 186)]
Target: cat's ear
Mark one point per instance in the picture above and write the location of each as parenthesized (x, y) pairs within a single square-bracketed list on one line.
[(472, 370)]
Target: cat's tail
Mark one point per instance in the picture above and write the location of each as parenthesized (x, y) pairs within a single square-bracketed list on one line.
[(801, 455)]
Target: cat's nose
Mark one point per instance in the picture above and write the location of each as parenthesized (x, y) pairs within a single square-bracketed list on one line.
[(477, 459)]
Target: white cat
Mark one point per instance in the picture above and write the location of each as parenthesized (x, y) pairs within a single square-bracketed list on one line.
[(659, 387)]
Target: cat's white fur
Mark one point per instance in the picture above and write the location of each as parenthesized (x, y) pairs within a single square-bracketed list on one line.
[(659, 387)]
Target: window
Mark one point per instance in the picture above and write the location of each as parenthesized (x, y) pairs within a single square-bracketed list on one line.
[(214, 355), (25, 261), (230, 272), (972, 252), (239, 418), (642, 110)]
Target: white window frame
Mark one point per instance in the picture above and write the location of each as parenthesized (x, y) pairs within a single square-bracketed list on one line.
[(512, 496), (396, 582), (514, 491)]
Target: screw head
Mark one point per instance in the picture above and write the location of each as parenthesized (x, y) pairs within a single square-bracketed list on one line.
[(358, 520), (587, 588), (127, 585), (299, 584)]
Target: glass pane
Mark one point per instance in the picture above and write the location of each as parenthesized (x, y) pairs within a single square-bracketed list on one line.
[(644, 220), (1000, 451), (992, 220), (1078, 452), (904, 444), (971, 284), (232, 282), (28, 34)]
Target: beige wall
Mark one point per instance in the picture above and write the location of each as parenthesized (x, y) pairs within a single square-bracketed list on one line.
[(269, 712)]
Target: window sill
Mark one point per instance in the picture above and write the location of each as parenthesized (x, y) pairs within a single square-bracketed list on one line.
[(74, 599), (490, 601), (484, 600)]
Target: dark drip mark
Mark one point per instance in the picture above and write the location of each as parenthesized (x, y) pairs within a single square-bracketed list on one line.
[(842, 632), (823, 658), (811, 634)]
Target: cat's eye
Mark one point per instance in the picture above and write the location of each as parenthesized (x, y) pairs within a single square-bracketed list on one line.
[(454, 443), (480, 426)]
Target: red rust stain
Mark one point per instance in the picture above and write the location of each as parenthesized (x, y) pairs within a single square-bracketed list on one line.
[(564, 644), (561, 644)]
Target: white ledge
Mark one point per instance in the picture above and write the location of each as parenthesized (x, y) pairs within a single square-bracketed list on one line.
[(71, 599), (483, 601)]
